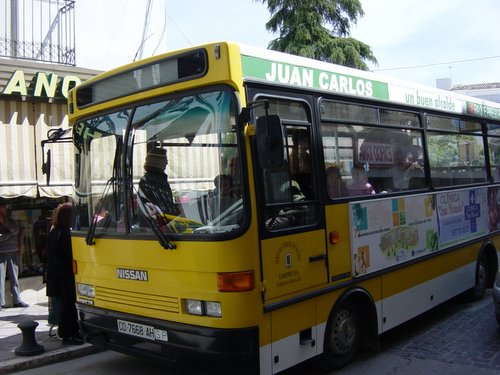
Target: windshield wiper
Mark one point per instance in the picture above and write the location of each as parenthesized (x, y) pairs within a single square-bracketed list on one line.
[(153, 224)]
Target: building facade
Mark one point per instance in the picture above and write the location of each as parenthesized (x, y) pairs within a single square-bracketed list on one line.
[(32, 104), (486, 91)]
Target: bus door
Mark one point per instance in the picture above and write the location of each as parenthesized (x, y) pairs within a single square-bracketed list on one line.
[(293, 248)]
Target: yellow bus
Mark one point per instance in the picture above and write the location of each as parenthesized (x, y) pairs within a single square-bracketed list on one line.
[(247, 210)]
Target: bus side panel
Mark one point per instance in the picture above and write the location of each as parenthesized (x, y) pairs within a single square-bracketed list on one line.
[(298, 330), (339, 254), (294, 334), (415, 289)]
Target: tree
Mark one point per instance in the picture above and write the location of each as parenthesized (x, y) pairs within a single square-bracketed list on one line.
[(301, 25)]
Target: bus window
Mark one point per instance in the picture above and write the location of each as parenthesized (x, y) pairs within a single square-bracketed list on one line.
[(456, 151), (372, 158), (200, 128), (300, 159), (175, 196), (99, 193), (494, 150), (289, 191)]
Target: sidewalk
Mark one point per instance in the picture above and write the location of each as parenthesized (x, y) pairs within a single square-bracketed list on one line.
[(33, 293)]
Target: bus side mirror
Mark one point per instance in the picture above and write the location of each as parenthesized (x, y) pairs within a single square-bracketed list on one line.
[(269, 137), (53, 136), (46, 166)]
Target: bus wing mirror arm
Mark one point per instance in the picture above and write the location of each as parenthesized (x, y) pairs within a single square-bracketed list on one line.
[(246, 112), (46, 163)]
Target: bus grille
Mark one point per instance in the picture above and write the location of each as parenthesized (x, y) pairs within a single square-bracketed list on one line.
[(136, 299)]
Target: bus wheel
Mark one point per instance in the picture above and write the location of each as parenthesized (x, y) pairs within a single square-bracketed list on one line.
[(479, 288), (342, 336)]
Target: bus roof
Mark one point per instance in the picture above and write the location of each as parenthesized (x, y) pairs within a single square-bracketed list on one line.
[(272, 67), (269, 66)]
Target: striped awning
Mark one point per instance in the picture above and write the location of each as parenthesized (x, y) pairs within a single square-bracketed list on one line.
[(23, 125), (33, 104)]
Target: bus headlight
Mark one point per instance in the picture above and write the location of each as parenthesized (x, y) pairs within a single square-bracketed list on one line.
[(213, 309), (194, 307), (208, 308), (85, 290)]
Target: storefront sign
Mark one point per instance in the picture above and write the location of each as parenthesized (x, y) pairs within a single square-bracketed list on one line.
[(43, 85)]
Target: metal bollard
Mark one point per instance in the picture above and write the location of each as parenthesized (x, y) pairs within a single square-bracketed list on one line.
[(29, 346)]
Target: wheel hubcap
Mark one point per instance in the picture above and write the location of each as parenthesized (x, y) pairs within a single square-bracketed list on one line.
[(343, 333)]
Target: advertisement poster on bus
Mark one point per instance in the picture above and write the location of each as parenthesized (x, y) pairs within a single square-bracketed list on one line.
[(388, 232), (494, 208), (462, 215)]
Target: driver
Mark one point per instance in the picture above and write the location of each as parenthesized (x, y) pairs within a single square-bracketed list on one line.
[(223, 196), (154, 188)]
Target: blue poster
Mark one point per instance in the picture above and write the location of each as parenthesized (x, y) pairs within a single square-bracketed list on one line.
[(462, 216)]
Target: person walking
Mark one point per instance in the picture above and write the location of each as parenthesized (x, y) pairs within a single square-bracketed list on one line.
[(60, 277), (11, 249)]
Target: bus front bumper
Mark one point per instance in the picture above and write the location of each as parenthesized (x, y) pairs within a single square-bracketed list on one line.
[(171, 343)]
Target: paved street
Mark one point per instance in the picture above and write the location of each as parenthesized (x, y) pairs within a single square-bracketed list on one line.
[(458, 332), (456, 338)]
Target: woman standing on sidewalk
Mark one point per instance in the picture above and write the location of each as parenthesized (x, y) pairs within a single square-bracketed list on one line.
[(60, 277)]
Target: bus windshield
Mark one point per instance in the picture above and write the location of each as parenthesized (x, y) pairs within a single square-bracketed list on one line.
[(170, 167)]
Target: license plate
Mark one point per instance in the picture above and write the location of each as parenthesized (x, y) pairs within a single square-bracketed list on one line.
[(141, 330)]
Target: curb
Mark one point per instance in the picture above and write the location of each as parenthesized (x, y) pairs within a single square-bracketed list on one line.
[(63, 354)]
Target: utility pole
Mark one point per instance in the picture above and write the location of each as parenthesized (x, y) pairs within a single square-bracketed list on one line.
[(147, 18)]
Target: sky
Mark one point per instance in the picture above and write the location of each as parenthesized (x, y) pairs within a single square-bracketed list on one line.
[(414, 40)]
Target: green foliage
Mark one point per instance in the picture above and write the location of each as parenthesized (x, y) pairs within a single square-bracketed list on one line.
[(302, 28), (444, 150)]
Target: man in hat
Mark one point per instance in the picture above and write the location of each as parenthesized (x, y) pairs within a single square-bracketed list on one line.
[(154, 186), (11, 246)]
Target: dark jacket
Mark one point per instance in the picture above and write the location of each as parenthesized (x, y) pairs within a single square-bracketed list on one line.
[(59, 260), (155, 188)]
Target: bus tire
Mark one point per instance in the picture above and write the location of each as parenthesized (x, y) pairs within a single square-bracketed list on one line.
[(342, 337), (481, 281)]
